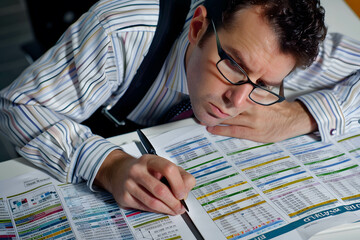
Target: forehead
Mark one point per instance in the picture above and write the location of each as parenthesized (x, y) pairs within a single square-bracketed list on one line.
[(250, 39), (250, 24)]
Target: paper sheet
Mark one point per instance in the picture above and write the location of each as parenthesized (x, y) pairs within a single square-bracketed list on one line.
[(245, 189), (38, 206)]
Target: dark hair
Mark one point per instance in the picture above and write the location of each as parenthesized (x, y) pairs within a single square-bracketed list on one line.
[(298, 24)]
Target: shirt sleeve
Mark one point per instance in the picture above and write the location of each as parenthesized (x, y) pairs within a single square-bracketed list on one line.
[(332, 85), (41, 111)]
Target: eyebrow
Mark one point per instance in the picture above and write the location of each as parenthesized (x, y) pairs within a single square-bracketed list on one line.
[(237, 57)]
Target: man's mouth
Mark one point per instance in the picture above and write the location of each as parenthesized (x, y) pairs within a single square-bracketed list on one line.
[(217, 112)]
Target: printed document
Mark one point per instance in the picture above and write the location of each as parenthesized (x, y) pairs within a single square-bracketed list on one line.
[(244, 190)]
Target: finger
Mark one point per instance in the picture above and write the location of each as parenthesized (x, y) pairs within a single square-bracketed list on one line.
[(242, 120), (172, 174), (126, 200), (157, 175), (231, 131), (134, 203), (188, 179), (145, 206), (159, 191), (140, 198)]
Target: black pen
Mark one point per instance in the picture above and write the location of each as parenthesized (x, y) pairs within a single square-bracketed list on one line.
[(151, 150)]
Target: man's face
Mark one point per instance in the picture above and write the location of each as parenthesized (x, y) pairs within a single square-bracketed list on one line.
[(253, 45)]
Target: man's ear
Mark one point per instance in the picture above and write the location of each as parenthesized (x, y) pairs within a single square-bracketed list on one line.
[(198, 25)]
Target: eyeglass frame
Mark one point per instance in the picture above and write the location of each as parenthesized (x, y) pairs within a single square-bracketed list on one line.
[(223, 55)]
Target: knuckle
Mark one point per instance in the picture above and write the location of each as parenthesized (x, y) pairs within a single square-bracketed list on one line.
[(124, 197), (160, 190), (153, 203), (145, 158), (126, 200), (170, 169), (128, 185), (135, 170)]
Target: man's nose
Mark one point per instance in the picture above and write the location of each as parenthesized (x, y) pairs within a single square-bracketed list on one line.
[(238, 95)]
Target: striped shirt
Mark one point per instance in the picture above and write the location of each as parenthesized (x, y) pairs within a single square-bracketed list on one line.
[(93, 64), (330, 87)]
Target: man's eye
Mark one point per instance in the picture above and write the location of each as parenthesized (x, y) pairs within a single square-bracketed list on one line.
[(233, 66), (264, 85)]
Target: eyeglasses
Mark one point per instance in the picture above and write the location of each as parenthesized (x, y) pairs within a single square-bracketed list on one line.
[(234, 74)]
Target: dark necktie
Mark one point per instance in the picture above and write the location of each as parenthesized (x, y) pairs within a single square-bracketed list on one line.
[(180, 111)]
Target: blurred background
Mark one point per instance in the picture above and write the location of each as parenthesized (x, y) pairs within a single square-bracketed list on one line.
[(29, 27)]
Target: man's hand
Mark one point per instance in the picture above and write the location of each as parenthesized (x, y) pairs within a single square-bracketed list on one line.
[(269, 123), (135, 183)]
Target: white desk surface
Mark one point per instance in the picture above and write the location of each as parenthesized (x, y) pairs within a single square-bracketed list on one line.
[(339, 18)]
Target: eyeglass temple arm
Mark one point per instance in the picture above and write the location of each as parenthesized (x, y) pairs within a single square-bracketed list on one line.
[(282, 93), (217, 38)]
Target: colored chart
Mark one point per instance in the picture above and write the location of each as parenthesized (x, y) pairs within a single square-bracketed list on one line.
[(95, 215), (38, 214), (228, 199)]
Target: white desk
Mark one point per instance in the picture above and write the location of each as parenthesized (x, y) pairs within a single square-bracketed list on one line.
[(339, 18)]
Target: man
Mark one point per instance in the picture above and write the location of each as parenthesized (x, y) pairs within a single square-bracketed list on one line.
[(231, 65)]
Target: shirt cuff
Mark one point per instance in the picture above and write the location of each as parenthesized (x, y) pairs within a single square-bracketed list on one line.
[(327, 113), (89, 159)]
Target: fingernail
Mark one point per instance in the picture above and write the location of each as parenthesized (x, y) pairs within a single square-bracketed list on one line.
[(181, 210), (181, 196)]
